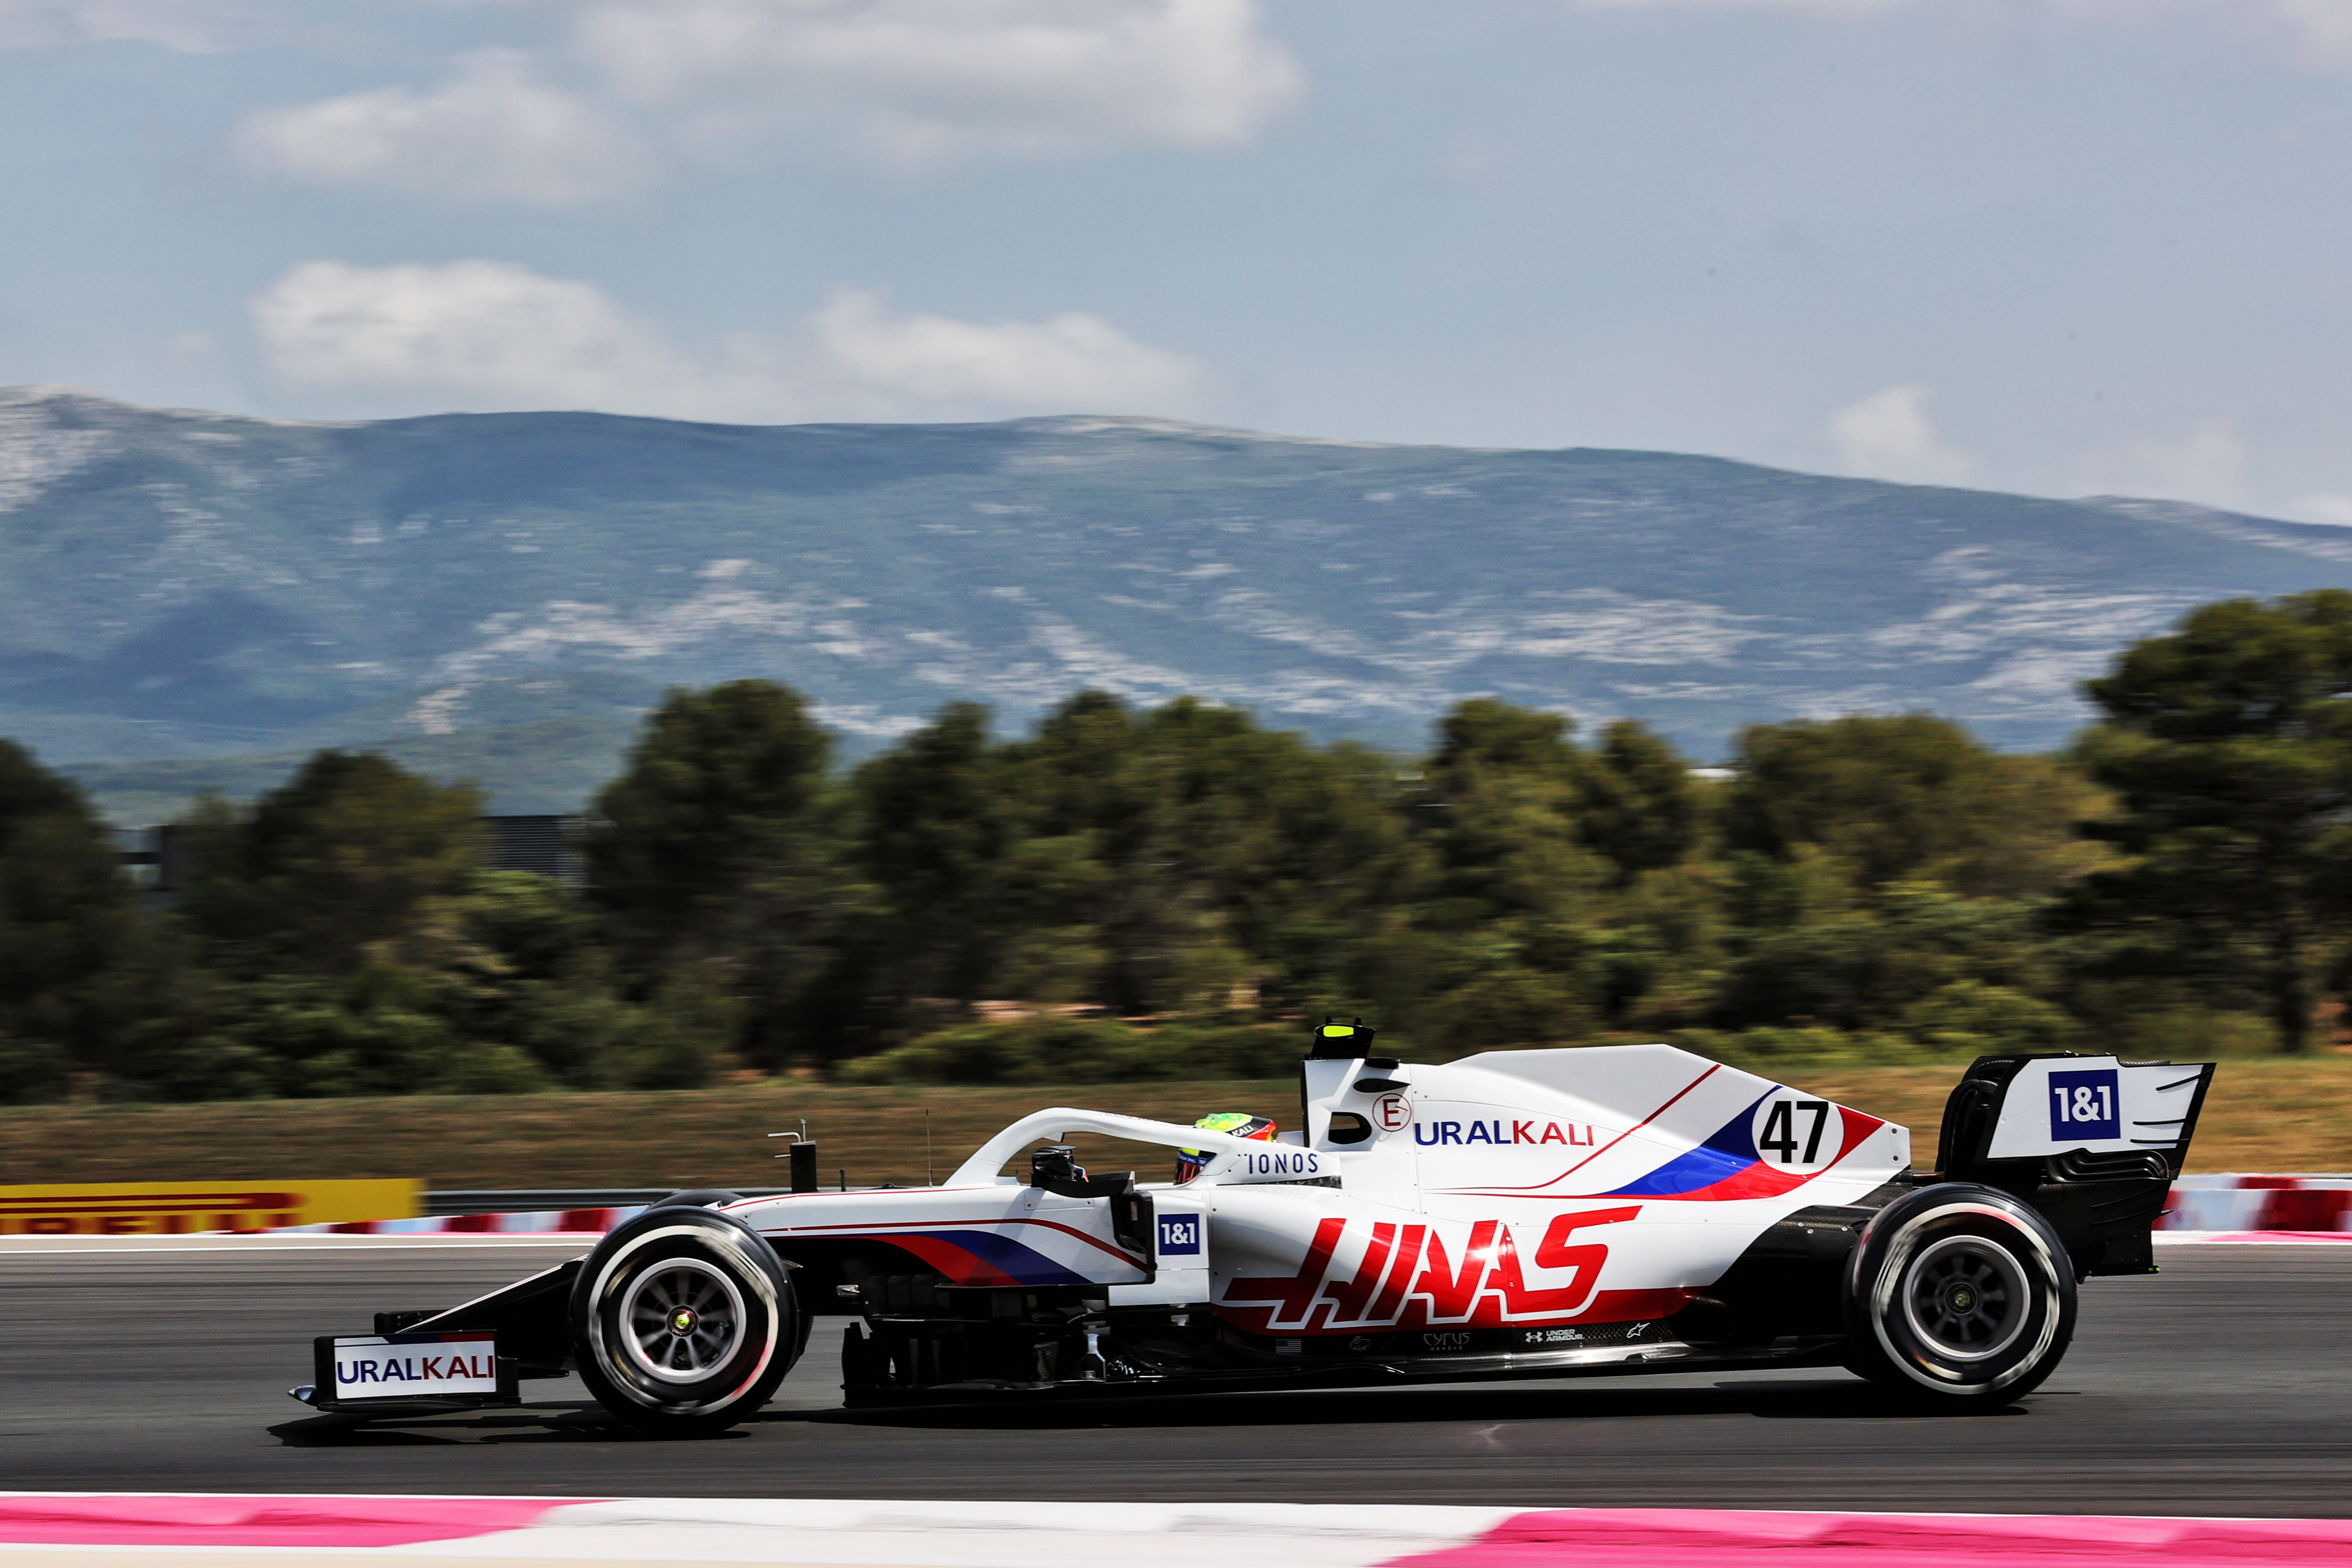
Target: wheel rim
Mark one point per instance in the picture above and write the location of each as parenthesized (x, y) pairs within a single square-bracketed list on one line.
[(681, 1320), (1965, 1298)]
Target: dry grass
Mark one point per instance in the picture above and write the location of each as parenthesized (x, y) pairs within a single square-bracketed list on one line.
[(700, 1138), (2263, 1114)]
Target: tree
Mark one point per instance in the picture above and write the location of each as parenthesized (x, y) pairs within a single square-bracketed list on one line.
[(341, 864), (1198, 857), (716, 847), (327, 926), (1504, 789), (1492, 948), (2228, 746), (1638, 808), (937, 818), (1872, 969), (65, 921), (1487, 735), (720, 787), (1276, 856), (1902, 797)]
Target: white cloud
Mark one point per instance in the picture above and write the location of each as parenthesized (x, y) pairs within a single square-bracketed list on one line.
[(191, 27), (2336, 509), (1071, 362), (921, 84), (496, 131), (489, 334), (908, 86), (1887, 436), (2322, 30), (2205, 462), (1811, 7), (2317, 34), (481, 328)]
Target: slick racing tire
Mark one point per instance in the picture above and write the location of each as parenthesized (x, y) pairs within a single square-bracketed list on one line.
[(1960, 1297), (683, 1322)]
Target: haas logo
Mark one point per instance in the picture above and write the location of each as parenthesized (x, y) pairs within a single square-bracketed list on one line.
[(1408, 1278)]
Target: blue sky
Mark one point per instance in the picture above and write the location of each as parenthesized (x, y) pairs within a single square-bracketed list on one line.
[(2067, 247)]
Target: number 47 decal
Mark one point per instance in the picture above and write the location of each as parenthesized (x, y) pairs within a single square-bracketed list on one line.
[(1780, 1134)]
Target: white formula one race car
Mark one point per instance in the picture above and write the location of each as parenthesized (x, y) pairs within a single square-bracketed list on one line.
[(1518, 1213)]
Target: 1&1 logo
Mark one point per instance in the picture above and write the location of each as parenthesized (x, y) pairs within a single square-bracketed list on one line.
[(1180, 1235), (2085, 1105)]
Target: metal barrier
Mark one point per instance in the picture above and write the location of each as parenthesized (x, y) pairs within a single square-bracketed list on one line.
[(535, 1200), (2313, 1203)]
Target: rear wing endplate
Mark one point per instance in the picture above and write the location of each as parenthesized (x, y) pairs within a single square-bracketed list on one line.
[(2093, 1142), (2028, 1108)]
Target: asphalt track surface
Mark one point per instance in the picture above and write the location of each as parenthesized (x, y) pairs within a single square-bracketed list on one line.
[(2221, 1387)]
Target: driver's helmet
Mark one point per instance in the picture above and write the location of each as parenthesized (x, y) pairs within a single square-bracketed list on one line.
[(1190, 1162)]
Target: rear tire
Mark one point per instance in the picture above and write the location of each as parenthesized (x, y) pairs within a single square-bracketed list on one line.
[(683, 1322), (1960, 1297)]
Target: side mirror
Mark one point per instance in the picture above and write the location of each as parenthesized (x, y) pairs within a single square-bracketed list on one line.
[(1055, 1165)]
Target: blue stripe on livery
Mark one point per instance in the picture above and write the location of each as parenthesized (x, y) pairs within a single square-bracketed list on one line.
[(1730, 1151), (1012, 1260), (1024, 1263)]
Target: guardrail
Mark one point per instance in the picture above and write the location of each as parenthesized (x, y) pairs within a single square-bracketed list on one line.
[(2306, 1204), (539, 1200)]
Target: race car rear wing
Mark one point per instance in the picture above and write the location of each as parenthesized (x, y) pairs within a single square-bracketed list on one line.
[(2093, 1142)]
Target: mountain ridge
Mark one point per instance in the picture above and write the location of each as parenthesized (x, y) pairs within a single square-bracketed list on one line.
[(178, 584)]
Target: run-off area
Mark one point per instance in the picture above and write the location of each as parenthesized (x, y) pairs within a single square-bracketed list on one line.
[(2217, 1388)]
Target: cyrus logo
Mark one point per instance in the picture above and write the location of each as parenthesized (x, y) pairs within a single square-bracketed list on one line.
[(1180, 1234), (1446, 1341), (1431, 1134)]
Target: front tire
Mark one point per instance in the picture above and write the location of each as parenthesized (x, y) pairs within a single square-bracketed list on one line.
[(683, 1322), (697, 1198), (1960, 1297)]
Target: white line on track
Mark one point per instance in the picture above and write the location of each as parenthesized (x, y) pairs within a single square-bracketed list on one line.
[(2251, 1238)]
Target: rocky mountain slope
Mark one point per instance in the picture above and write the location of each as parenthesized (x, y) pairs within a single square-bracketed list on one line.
[(505, 592)]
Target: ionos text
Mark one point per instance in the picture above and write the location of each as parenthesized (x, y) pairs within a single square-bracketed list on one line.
[(1291, 1162)]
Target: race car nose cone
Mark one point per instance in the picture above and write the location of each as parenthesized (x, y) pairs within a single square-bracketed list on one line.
[(682, 1322)]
